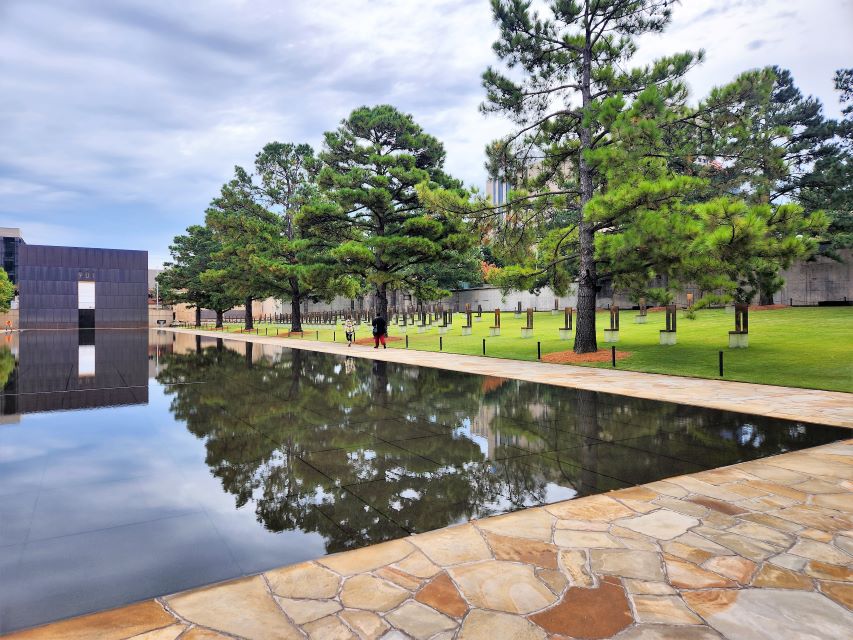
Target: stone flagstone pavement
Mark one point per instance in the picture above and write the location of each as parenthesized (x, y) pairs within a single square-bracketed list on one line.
[(758, 550)]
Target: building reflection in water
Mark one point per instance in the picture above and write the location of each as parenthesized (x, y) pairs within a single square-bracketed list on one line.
[(68, 370)]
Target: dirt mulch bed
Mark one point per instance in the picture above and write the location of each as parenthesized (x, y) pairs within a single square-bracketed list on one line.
[(570, 357), (490, 383), (370, 340)]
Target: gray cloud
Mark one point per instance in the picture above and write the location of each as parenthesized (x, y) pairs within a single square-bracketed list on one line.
[(121, 119)]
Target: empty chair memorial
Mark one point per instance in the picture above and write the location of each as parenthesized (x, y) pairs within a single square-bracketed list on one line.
[(556, 308), (518, 310), (527, 331), (641, 317), (566, 329), (444, 327), (739, 338), (495, 330), (612, 334), (466, 328), (479, 312), (667, 336)]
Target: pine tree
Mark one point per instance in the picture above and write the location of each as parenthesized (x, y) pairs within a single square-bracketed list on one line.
[(241, 226), (193, 254), (372, 220), (829, 186), (294, 264), (572, 64), (618, 179), (776, 140)]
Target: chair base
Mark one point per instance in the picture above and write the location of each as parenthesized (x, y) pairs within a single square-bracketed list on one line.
[(667, 337)]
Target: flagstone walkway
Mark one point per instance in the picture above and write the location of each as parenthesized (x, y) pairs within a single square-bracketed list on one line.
[(758, 550), (804, 405)]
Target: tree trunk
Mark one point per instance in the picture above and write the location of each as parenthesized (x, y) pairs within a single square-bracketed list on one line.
[(198, 344), (585, 341), (295, 306), (250, 324), (198, 316), (249, 349), (765, 298), (382, 300), (219, 315)]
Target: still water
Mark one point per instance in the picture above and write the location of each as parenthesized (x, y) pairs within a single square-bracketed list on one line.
[(135, 464)]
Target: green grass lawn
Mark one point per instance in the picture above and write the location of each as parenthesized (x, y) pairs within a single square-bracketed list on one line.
[(807, 347)]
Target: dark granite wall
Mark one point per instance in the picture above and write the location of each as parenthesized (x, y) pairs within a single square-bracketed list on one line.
[(47, 284)]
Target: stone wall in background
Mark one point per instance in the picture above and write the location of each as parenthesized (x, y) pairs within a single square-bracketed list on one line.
[(821, 280)]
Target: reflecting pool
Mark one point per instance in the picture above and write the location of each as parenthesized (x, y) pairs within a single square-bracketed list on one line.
[(135, 464)]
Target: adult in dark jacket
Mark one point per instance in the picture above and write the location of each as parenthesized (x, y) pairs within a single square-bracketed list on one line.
[(380, 331)]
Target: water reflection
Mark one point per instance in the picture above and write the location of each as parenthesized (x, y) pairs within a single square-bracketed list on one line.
[(362, 451), (68, 370)]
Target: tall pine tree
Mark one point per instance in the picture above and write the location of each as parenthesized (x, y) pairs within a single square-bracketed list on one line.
[(295, 264), (372, 217), (241, 224), (181, 281), (563, 70), (829, 186)]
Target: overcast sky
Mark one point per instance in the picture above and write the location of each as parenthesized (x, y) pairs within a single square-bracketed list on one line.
[(120, 119)]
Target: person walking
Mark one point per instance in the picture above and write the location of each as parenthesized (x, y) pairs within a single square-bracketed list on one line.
[(380, 331), (349, 330)]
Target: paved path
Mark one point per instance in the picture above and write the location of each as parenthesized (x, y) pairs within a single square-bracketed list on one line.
[(804, 405), (759, 550)]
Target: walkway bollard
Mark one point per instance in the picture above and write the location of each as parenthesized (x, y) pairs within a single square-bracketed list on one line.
[(276, 331), (613, 356), (484, 346), (266, 331), (318, 336), (440, 343), (721, 364), (333, 336), (407, 341), (538, 350)]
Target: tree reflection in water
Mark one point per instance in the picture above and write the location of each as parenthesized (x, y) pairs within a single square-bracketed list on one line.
[(362, 451)]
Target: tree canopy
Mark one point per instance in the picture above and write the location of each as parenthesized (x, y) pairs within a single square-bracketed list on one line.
[(616, 176), (372, 218), (829, 184), (289, 261), (181, 281), (7, 291), (242, 226)]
